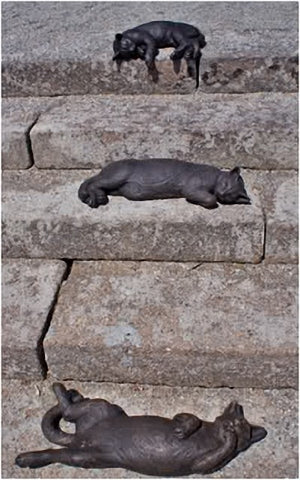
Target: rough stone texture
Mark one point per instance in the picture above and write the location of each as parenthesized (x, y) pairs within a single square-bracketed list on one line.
[(62, 48), (255, 130), (18, 117), (274, 457), (278, 193), (43, 217), (176, 324), (28, 292)]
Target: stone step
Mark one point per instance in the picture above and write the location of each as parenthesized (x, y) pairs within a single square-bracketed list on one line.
[(24, 403), (255, 130), (250, 47), (29, 289), (43, 218), (176, 324)]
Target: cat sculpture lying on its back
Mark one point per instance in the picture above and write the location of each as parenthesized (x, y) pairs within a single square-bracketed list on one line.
[(144, 42), (160, 178), (106, 437)]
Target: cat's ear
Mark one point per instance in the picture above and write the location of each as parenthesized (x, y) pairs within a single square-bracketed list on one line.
[(235, 172), (118, 36), (235, 409)]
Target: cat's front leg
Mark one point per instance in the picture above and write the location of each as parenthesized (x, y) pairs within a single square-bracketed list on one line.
[(218, 456), (203, 198), (92, 194), (150, 54)]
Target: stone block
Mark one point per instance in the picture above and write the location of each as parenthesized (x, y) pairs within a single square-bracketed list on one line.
[(255, 131), (18, 117), (28, 292), (176, 324), (43, 218), (278, 193)]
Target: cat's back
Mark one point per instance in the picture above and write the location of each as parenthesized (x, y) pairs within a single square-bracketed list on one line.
[(162, 26)]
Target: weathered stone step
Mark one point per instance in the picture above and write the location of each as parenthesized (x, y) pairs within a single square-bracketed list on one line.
[(43, 218), (250, 47), (24, 404), (256, 130), (176, 324), (29, 288)]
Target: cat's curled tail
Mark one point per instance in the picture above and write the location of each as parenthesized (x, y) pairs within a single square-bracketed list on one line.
[(50, 423)]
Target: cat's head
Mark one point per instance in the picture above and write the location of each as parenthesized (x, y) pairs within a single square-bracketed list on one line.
[(245, 432), (124, 47), (230, 188)]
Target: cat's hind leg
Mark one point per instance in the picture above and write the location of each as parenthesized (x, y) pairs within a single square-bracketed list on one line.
[(74, 457), (40, 458)]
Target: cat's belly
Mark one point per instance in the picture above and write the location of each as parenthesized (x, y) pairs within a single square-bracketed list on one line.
[(140, 191)]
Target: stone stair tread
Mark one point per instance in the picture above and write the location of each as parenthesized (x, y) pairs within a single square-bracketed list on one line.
[(172, 323), (249, 48), (44, 218), (24, 403), (253, 130), (28, 287)]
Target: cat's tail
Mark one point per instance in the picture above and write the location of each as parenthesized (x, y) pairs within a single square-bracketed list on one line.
[(50, 422), (52, 430)]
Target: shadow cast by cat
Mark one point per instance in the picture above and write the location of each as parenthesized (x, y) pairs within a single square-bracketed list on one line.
[(144, 41), (106, 437)]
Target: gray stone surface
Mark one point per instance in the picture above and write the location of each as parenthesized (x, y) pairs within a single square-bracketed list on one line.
[(18, 117), (43, 218), (278, 193), (62, 48), (255, 130), (176, 324), (275, 457), (28, 292)]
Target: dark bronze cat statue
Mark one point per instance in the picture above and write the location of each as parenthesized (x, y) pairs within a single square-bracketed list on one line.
[(160, 178), (106, 437), (144, 42)]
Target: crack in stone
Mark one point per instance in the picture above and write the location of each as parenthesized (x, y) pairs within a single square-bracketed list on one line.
[(264, 237), (40, 343), (28, 140)]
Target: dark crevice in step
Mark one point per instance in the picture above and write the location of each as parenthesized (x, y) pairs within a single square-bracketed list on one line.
[(28, 141), (195, 267), (40, 344), (264, 237), (53, 378)]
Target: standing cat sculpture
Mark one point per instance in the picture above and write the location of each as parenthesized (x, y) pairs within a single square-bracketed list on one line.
[(106, 437), (159, 178), (144, 42)]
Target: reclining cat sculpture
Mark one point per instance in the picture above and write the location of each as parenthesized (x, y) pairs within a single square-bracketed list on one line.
[(159, 178), (144, 42), (106, 437)]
